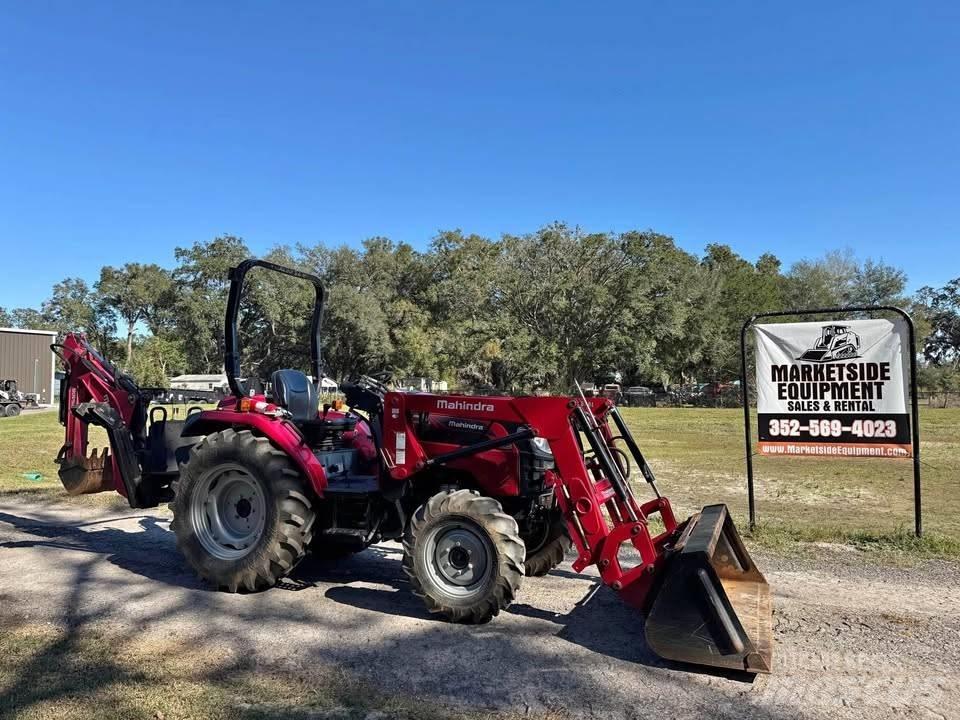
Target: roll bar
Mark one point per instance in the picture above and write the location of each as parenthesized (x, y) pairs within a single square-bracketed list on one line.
[(231, 357)]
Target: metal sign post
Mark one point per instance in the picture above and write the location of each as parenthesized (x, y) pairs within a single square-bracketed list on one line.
[(915, 414)]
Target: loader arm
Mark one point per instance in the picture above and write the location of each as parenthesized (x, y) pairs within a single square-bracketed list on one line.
[(705, 600), (601, 508)]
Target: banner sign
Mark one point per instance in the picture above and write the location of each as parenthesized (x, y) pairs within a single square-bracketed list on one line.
[(833, 388)]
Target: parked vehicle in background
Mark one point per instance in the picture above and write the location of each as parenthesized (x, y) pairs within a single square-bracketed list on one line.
[(718, 394), (612, 392), (680, 395), (12, 401), (639, 396)]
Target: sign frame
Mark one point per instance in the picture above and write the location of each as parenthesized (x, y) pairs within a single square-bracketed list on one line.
[(914, 406)]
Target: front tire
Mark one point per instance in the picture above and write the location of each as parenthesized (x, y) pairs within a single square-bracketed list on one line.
[(464, 556), (547, 544), (242, 512)]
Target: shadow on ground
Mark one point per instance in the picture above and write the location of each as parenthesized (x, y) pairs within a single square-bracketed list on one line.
[(381, 636), (151, 553)]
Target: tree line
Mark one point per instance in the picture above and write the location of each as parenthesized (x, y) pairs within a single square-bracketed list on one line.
[(517, 314)]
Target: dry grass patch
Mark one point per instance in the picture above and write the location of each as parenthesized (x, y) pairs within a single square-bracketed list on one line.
[(50, 673)]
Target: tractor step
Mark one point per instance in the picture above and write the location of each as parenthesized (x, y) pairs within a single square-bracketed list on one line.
[(351, 538), (345, 533), (352, 485)]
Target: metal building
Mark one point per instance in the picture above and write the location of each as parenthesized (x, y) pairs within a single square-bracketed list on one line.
[(211, 383), (25, 356)]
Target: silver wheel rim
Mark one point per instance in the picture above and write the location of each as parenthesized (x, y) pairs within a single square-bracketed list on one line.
[(228, 512), (459, 558)]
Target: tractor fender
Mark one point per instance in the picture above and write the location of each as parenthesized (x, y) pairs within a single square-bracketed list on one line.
[(281, 433)]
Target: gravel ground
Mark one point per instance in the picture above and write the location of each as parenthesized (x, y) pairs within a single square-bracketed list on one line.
[(853, 639)]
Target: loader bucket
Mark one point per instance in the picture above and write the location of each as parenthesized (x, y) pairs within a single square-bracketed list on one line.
[(713, 606), (815, 356), (85, 475)]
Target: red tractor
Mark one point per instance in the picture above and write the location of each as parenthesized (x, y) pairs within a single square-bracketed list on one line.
[(480, 490)]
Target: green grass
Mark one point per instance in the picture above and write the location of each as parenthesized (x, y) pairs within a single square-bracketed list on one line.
[(698, 457), (787, 538), (29, 444)]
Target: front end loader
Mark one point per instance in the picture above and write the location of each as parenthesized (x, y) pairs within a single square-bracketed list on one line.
[(481, 491)]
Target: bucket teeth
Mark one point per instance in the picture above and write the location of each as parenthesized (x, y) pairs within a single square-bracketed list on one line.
[(83, 476)]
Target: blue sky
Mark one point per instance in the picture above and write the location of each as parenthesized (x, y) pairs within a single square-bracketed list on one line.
[(127, 129)]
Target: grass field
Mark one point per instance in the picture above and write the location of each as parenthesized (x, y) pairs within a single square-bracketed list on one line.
[(697, 455)]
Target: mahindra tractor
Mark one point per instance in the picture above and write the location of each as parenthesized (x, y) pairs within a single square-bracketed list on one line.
[(481, 492)]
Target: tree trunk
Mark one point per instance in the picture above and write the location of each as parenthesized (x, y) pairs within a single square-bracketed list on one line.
[(130, 327)]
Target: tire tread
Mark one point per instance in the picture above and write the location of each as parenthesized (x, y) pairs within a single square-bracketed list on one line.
[(504, 535), (282, 546)]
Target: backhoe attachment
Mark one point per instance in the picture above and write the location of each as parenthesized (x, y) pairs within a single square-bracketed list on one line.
[(94, 392)]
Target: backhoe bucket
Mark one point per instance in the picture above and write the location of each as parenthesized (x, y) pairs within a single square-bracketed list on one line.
[(713, 606), (85, 475)]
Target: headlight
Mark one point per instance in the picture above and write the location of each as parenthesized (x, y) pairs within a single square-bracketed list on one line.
[(542, 445)]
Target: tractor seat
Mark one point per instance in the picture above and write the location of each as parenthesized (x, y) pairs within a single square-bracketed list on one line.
[(293, 391)]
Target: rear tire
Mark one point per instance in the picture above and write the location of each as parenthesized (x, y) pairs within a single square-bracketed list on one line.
[(464, 556), (12, 410), (229, 478)]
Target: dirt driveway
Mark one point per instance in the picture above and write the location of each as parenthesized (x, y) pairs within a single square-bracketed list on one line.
[(853, 640)]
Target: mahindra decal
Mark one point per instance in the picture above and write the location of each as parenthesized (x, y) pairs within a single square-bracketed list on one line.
[(476, 406), (469, 425)]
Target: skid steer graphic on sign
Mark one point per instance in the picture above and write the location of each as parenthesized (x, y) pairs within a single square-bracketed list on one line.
[(836, 342)]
